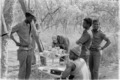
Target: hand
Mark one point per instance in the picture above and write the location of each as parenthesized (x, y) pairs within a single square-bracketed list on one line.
[(57, 78), (101, 48), (57, 48), (18, 44)]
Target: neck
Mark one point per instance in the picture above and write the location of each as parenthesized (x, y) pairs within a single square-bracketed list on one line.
[(75, 59), (27, 22), (95, 30)]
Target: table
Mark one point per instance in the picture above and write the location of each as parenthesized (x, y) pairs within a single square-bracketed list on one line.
[(51, 63), (53, 58), (46, 70)]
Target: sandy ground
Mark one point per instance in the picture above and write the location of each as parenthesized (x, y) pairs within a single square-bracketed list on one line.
[(106, 72)]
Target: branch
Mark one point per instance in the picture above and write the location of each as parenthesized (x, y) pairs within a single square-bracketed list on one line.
[(42, 20)]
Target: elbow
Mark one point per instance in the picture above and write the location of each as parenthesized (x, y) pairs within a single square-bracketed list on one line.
[(76, 42), (108, 42)]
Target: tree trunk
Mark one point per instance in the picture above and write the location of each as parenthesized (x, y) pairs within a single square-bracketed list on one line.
[(4, 43), (6, 20)]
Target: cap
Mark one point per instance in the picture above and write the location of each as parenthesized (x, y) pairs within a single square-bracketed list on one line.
[(76, 50)]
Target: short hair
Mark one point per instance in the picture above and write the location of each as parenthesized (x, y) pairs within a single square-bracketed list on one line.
[(27, 14), (88, 21), (96, 21)]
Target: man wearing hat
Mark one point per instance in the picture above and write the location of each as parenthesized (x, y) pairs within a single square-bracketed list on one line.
[(24, 30), (76, 67)]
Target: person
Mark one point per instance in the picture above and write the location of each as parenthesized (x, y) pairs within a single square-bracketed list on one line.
[(86, 39), (24, 30), (98, 37), (76, 67), (62, 43)]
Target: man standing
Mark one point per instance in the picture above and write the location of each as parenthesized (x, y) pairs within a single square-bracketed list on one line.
[(86, 39), (24, 30), (98, 37)]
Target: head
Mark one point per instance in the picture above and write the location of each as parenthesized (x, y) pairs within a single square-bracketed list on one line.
[(96, 25), (54, 38), (29, 17), (87, 23), (75, 53)]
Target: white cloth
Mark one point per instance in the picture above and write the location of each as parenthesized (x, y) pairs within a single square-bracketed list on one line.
[(81, 71)]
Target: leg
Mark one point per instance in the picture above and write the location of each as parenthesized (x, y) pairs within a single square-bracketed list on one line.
[(28, 66), (22, 55), (91, 64), (33, 58), (96, 57)]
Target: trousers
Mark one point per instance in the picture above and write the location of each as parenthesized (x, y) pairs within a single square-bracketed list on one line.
[(94, 63), (25, 58)]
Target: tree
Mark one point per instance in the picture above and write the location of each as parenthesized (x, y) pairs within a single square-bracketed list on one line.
[(6, 20)]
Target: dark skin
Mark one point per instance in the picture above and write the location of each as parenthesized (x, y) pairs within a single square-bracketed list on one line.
[(69, 66), (96, 26)]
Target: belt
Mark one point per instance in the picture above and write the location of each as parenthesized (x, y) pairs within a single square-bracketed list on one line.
[(94, 49), (25, 48)]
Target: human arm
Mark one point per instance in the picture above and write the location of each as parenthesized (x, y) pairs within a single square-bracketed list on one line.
[(107, 42), (64, 43), (15, 29), (82, 39), (69, 67), (53, 45)]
